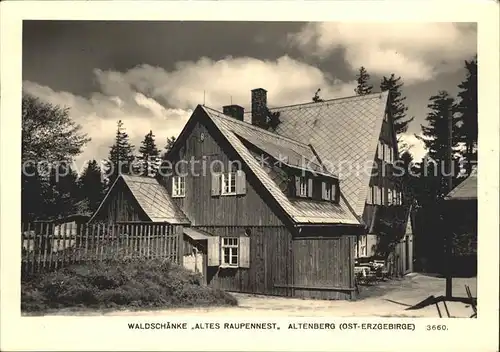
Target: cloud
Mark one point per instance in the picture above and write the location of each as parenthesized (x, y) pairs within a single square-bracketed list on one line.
[(414, 51), (414, 145), (231, 79), (151, 98), (99, 114)]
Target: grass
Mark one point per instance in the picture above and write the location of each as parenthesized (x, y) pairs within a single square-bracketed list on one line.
[(120, 284)]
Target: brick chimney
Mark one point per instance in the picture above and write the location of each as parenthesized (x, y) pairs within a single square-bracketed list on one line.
[(259, 105), (235, 111)]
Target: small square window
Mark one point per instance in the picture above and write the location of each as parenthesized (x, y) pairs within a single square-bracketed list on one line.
[(230, 251), (178, 186), (228, 183)]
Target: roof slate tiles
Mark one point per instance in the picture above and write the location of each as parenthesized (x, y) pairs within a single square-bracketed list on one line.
[(467, 190), (154, 200), (301, 211), (344, 132)]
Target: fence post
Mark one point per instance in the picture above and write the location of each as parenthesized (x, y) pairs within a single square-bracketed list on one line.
[(46, 246), (179, 230)]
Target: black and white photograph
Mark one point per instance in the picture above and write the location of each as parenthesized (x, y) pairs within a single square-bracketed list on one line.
[(235, 168)]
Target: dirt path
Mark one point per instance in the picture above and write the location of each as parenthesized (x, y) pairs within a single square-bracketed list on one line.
[(385, 300)]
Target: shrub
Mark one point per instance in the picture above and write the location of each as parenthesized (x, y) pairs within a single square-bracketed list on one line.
[(123, 283)]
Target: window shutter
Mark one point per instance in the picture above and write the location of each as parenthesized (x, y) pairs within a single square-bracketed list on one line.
[(323, 190), (215, 184), (334, 192), (244, 260), (310, 187), (213, 252), (297, 186), (241, 184)]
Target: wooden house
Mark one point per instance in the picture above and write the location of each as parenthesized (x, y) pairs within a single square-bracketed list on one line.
[(461, 217), (355, 138), (136, 199), (270, 210)]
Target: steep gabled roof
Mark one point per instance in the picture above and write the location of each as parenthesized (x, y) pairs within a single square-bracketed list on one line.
[(286, 150), (467, 190), (300, 211), (344, 132), (153, 199)]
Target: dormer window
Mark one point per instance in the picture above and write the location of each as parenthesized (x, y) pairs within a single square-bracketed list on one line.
[(303, 187), (328, 191), (315, 188)]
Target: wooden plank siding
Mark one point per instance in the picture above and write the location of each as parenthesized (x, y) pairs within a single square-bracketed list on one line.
[(120, 206), (199, 205), (324, 263), (271, 261)]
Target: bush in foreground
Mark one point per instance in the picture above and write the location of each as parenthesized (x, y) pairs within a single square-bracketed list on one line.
[(138, 283)]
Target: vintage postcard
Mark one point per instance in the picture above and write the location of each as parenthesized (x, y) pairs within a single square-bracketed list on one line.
[(249, 176)]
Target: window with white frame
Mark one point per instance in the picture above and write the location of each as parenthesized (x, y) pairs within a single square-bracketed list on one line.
[(369, 199), (303, 187), (329, 191), (363, 246), (228, 183), (376, 195), (178, 186), (230, 251)]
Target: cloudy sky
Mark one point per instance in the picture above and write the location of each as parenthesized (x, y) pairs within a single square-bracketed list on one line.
[(152, 75)]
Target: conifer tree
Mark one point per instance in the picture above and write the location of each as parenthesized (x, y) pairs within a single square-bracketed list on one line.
[(363, 86), (120, 155), (91, 186), (467, 112), (170, 143), (435, 138), (149, 161), (397, 106)]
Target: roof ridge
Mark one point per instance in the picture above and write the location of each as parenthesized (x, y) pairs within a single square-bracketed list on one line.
[(255, 128), (360, 97)]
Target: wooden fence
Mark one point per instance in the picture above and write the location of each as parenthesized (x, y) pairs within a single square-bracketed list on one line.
[(47, 246)]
